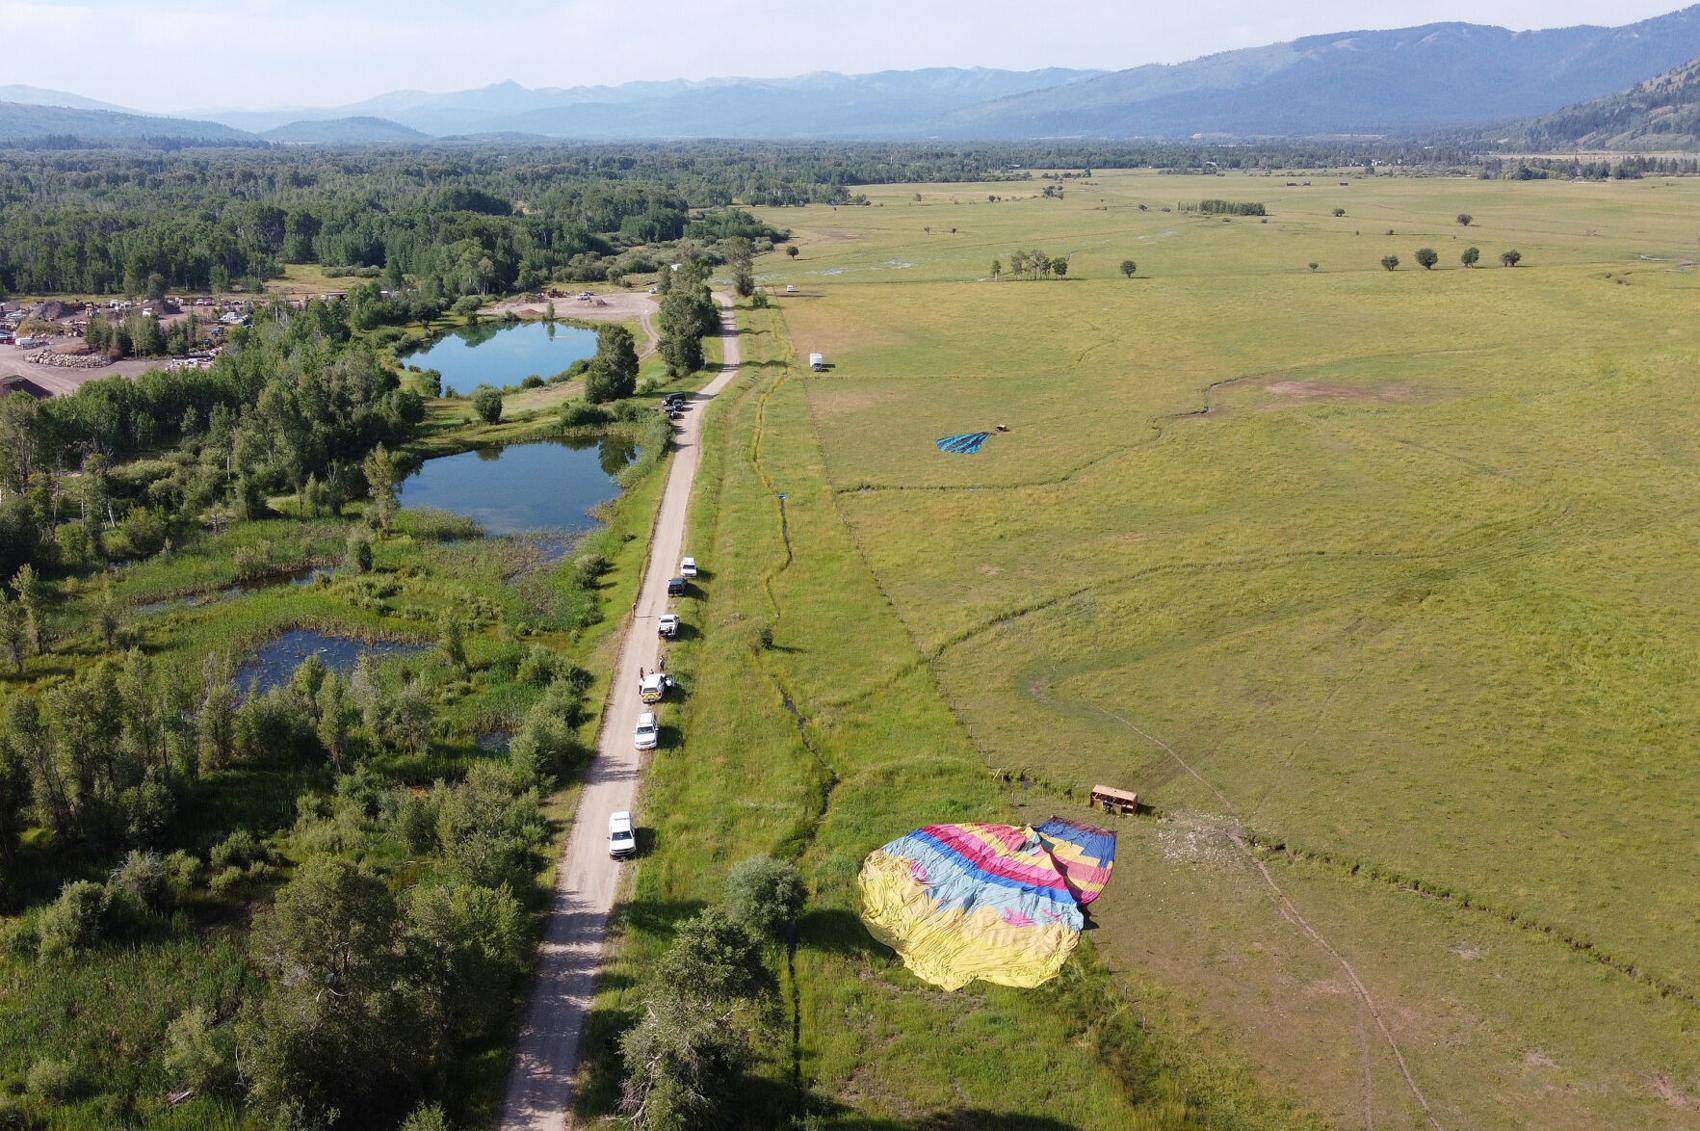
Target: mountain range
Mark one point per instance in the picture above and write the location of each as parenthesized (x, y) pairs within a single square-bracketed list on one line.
[(1400, 82), (816, 105), (1661, 113)]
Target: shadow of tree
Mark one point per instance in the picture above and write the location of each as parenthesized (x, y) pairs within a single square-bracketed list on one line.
[(837, 931)]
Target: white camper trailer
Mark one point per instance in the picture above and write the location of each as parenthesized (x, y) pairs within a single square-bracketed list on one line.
[(817, 362)]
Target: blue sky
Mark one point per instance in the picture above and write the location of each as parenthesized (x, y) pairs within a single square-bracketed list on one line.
[(173, 55)]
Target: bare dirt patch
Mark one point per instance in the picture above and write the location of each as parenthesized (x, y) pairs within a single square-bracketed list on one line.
[(1666, 1090), (1196, 839), (62, 381), (1307, 391)]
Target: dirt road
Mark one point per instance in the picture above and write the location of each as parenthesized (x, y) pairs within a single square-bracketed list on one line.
[(546, 1054)]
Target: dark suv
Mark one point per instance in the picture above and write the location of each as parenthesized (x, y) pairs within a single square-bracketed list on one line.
[(676, 587)]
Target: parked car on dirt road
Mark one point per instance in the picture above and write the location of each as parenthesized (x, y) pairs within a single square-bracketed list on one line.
[(622, 842)]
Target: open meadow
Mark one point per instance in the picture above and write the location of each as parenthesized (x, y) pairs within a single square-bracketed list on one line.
[(1375, 585)]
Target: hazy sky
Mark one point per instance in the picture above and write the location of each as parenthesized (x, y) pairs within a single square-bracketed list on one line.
[(165, 55)]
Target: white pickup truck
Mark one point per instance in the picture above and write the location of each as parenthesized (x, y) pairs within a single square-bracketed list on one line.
[(622, 842), (647, 734), (667, 625)]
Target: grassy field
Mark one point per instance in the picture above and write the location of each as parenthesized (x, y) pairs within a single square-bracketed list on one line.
[(815, 750), (1371, 583)]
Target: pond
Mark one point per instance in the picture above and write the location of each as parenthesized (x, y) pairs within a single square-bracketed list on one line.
[(549, 485), (503, 354), (275, 661)]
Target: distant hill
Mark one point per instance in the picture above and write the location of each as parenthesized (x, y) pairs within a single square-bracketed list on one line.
[(345, 131), (1369, 82), (37, 96), (21, 123), (825, 104), (1661, 113)]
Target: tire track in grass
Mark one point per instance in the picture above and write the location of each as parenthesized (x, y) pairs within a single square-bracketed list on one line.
[(1292, 914), (829, 778)]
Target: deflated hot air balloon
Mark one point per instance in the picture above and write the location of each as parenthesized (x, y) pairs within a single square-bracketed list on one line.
[(998, 902)]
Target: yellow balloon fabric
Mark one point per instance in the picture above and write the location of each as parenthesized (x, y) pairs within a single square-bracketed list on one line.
[(952, 948), (960, 902)]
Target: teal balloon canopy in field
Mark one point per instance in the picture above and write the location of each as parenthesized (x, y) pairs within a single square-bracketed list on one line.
[(963, 443)]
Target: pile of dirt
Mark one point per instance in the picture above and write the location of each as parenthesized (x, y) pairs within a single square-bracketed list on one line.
[(50, 311)]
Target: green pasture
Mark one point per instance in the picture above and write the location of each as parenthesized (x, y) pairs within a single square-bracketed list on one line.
[(1409, 601), (820, 748)]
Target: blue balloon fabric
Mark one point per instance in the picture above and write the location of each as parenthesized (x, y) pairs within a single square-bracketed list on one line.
[(963, 443)]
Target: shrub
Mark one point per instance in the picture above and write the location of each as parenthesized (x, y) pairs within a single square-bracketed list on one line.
[(582, 414), (487, 404), (1464, 219), (765, 895), (1427, 257), (358, 555), (532, 382), (251, 561), (238, 850), (183, 872), (1391, 262), (52, 1079), (1471, 256), (547, 742), (1511, 258), (225, 880), (144, 880), (427, 1117), (415, 821), (73, 546), (144, 528), (199, 1053), (74, 921)]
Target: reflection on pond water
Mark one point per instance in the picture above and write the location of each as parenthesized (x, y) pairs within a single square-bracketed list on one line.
[(548, 485), (503, 353), (274, 661)]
